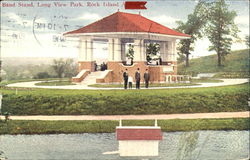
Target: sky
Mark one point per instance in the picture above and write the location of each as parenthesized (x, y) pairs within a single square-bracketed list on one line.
[(35, 28)]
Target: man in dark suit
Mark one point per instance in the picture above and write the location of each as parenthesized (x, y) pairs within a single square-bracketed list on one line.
[(146, 78), (125, 78), (137, 78)]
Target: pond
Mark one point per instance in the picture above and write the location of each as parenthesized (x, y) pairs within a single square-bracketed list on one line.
[(212, 145)]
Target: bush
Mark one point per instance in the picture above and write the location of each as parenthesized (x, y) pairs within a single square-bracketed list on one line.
[(42, 75)]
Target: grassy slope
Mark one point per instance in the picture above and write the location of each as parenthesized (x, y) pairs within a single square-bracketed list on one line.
[(237, 61), (54, 127)]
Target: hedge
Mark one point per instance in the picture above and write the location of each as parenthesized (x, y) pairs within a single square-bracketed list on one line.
[(199, 100)]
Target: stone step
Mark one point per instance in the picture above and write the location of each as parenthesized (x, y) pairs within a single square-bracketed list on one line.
[(91, 78)]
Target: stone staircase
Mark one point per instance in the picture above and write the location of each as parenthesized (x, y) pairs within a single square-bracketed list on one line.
[(91, 78)]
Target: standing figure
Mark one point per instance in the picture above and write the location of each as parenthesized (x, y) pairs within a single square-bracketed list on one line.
[(137, 78), (125, 78), (146, 78), (95, 66), (130, 82), (160, 61)]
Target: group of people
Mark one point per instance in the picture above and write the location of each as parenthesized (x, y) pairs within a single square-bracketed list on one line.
[(103, 67), (128, 80)]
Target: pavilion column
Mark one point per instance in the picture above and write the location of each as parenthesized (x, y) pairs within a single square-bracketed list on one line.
[(171, 55), (115, 49), (85, 61), (163, 51), (82, 50), (111, 49), (174, 51), (170, 51), (143, 53), (89, 50), (123, 52), (139, 50)]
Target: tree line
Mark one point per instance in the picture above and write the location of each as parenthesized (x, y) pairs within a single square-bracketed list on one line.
[(62, 68), (214, 20), (58, 68)]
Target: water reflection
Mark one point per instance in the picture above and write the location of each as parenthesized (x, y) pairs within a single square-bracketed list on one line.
[(214, 145), (187, 144)]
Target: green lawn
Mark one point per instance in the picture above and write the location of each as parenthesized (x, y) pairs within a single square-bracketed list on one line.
[(206, 80), (55, 83), (143, 85), (56, 127), (193, 82), (4, 83), (236, 65), (110, 102)]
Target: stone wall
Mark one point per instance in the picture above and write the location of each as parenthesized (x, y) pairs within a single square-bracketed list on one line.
[(87, 65), (157, 74)]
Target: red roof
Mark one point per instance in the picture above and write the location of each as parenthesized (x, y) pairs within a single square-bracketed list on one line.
[(138, 134), (126, 22)]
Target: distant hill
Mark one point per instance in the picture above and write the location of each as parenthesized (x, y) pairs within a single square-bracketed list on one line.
[(17, 61), (16, 68), (236, 64)]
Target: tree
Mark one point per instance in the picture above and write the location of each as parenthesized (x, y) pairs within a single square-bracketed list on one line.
[(181, 57), (193, 27), (0, 69), (62, 67), (152, 50), (247, 40), (71, 68), (221, 29), (130, 53)]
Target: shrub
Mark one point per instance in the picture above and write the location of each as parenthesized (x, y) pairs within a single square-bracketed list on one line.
[(42, 75)]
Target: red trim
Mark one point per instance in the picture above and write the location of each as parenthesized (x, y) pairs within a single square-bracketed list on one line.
[(138, 134), (135, 5)]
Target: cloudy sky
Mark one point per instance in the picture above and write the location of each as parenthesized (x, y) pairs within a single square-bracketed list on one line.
[(36, 30)]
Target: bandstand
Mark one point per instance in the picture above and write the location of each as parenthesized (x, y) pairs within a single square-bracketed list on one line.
[(117, 30)]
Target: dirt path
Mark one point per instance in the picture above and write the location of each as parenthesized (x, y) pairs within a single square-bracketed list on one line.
[(136, 117)]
